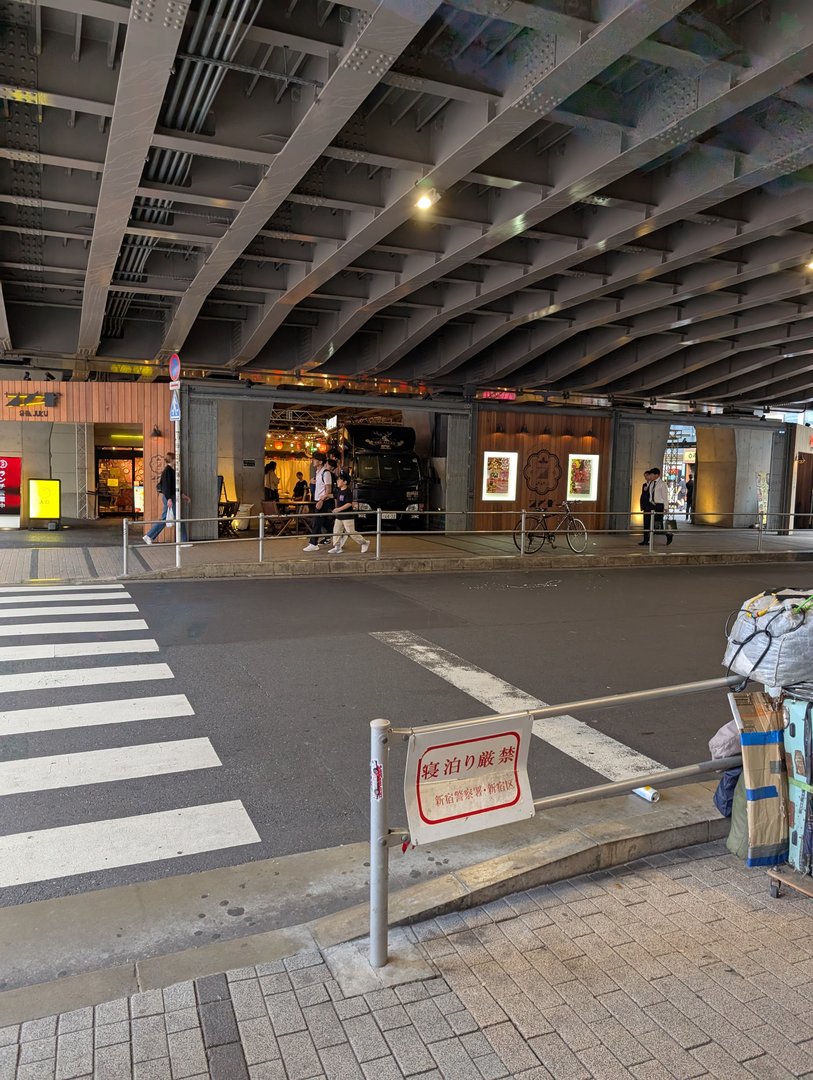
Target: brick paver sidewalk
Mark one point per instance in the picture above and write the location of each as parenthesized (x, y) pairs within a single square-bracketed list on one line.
[(678, 966)]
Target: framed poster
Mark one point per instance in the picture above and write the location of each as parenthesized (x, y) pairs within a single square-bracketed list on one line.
[(499, 476), (582, 477)]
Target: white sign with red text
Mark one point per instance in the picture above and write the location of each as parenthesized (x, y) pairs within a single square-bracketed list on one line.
[(466, 778)]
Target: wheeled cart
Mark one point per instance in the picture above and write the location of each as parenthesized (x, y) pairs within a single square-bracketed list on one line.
[(779, 876)]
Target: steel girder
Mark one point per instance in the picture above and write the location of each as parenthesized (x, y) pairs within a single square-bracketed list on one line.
[(559, 68), (795, 58), (786, 392), (773, 370), (152, 39), (379, 39), (5, 333)]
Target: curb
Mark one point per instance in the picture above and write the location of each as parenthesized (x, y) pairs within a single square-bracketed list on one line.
[(579, 840)]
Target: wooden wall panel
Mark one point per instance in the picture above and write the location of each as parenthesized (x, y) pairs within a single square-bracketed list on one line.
[(527, 433), (146, 404)]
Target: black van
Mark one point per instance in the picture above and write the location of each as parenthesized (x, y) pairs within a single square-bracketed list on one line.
[(386, 474)]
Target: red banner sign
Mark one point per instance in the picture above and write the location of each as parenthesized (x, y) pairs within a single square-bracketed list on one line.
[(11, 472)]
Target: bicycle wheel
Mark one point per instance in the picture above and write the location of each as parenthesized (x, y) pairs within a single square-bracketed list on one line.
[(535, 533), (576, 535)]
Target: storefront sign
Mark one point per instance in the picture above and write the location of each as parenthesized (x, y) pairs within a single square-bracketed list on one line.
[(476, 781), (32, 405), (690, 455), (582, 477), (11, 471), (44, 499), (499, 476), (499, 395), (331, 423)]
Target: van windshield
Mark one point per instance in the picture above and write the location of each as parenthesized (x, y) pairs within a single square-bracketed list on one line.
[(402, 468)]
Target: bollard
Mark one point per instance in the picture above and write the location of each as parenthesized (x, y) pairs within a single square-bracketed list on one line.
[(378, 533), (522, 534), (262, 533), (379, 841), (125, 561), (651, 531)]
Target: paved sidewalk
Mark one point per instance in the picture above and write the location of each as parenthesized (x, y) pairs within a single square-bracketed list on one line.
[(677, 966)]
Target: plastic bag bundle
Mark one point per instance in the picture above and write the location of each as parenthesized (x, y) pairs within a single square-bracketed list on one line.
[(771, 640)]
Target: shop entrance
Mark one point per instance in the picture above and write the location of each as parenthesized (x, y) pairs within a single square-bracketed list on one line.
[(119, 470), (680, 469), (803, 505)]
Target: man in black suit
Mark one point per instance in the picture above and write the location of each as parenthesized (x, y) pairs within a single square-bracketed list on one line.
[(645, 502)]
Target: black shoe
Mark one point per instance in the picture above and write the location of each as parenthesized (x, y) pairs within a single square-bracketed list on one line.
[(669, 539), (643, 543)]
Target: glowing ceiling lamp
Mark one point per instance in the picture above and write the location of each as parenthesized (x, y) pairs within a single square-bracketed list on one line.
[(427, 199)]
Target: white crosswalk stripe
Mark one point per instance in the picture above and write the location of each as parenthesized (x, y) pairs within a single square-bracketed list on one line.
[(45, 847)]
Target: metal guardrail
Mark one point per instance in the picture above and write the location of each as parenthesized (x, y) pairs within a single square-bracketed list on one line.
[(382, 837), (457, 525)]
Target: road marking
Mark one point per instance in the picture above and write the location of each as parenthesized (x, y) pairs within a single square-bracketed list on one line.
[(58, 588), (105, 766), (578, 740), (101, 845), (94, 714), (77, 648), (92, 676), (108, 626), (37, 613), (32, 598)]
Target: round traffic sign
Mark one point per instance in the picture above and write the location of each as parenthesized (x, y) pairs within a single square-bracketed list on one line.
[(174, 367)]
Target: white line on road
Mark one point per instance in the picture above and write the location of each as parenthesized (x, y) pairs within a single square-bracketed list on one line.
[(578, 740), (105, 766), (94, 714), (107, 626), (37, 613), (58, 588), (33, 598), (77, 648), (100, 845), (92, 676)]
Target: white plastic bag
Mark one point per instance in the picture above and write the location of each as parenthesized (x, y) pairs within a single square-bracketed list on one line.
[(771, 640), (169, 521), (726, 743)]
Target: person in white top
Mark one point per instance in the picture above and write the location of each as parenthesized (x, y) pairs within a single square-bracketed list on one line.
[(659, 497), (324, 503)]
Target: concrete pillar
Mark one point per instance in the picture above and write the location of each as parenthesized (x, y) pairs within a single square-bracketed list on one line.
[(241, 431), (199, 463), (753, 453), (651, 438), (458, 470)]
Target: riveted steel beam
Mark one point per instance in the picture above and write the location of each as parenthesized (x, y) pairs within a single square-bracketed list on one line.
[(798, 389), (5, 333), (557, 65), (376, 42), (152, 39), (773, 369)]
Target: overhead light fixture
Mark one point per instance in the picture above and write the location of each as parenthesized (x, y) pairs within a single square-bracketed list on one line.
[(49, 377), (590, 433), (156, 432), (27, 377), (546, 431), (810, 265), (498, 429), (523, 430), (427, 199)]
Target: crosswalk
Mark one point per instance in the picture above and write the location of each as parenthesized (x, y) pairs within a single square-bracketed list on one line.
[(38, 841)]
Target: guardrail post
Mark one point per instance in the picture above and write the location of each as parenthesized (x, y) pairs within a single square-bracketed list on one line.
[(651, 531), (522, 534), (126, 552), (760, 530), (378, 533), (262, 534), (379, 840)]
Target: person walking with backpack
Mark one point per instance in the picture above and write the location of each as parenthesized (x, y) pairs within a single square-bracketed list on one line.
[(323, 500)]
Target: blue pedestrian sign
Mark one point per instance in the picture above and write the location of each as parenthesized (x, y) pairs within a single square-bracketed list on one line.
[(175, 408)]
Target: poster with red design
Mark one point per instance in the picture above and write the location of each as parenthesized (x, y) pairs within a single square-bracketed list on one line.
[(500, 476), (11, 472), (463, 778)]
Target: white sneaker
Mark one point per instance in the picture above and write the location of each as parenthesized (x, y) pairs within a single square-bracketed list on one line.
[(311, 547), (334, 551), (186, 545), (365, 546), (147, 539)]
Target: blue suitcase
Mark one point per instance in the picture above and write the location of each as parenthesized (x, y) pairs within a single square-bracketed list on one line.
[(798, 740)]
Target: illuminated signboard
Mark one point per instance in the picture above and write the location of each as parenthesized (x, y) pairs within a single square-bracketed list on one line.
[(582, 477), (331, 423), (44, 499), (36, 405), (11, 470), (499, 476)]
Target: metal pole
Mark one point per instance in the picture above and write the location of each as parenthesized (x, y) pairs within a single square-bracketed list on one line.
[(664, 778), (262, 533), (378, 533), (569, 707), (522, 535), (760, 527), (177, 494), (651, 531), (379, 840), (126, 553)]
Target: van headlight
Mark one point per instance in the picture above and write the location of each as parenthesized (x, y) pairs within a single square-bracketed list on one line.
[(363, 506), (412, 508)]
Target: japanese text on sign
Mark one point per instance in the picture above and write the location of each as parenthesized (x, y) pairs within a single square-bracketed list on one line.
[(472, 783)]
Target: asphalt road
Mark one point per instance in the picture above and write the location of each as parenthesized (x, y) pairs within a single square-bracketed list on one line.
[(284, 676)]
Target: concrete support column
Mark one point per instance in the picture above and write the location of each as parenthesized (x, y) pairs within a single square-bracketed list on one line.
[(241, 431)]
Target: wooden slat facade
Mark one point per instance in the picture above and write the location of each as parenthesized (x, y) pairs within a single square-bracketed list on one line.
[(525, 434)]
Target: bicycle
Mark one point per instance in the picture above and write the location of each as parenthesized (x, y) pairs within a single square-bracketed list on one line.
[(538, 532)]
